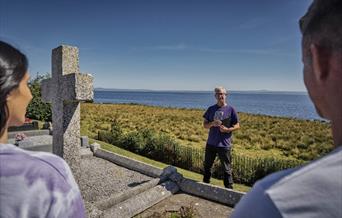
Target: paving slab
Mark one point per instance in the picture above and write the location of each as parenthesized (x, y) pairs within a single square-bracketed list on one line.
[(29, 133), (140, 202), (100, 179), (201, 207), (37, 140)]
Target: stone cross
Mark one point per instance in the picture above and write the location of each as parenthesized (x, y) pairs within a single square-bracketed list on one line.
[(65, 90)]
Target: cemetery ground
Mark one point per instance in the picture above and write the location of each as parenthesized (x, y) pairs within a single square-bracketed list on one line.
[(100, 179), (108, 190)]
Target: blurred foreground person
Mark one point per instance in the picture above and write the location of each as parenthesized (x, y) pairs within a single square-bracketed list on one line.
[(313, 190), (32, 184)]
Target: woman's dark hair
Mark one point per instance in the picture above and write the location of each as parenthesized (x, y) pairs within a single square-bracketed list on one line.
[(13, 66)]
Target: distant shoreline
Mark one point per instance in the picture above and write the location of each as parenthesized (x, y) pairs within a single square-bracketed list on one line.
[(200, 91)]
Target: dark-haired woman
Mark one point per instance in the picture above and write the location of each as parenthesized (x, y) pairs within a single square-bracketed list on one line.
[(32, 184)]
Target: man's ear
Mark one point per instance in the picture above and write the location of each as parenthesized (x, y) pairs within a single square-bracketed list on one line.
[(320, 62)]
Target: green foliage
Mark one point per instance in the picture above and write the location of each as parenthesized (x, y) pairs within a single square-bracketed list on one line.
[(262, 136), (116, 132), (263, 145), (37, 109), (247, 170), (161, 147)]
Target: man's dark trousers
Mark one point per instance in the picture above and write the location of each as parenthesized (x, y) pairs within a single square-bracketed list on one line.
[(224, 155)]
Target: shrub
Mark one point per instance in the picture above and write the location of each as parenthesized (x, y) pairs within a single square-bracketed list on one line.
[(106, 137), (151, 146), (37, 109), (162, 147), (133, 141), (117, 132)]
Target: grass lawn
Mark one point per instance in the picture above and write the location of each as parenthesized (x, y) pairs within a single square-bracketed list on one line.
[(185, 173)]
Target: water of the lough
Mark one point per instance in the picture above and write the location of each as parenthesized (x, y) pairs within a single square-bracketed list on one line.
[(283, 104)]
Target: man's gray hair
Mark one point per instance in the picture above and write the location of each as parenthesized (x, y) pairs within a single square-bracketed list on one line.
[(322, 25), (220, 89)]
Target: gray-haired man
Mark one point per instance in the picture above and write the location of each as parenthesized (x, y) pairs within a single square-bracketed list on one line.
[(221, 119)]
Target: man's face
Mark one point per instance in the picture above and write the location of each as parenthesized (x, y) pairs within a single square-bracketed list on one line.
[(221, 97)]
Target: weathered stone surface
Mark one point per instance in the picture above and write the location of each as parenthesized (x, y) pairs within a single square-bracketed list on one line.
[(38, 140), (65, 90), (129, 163), (207, 191), (29, 133), (85, 153), (200, 207), (24, 127), (210, 192), (77, 87), (167, 172), (47, 125), (47, 90), (65, 59), (25, 143), (102, 180), (85, 141), (142, 201), (122, 196), (94, 147)]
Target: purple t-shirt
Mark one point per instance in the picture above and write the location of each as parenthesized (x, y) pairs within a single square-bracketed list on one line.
[(37, 184), (229, 118)]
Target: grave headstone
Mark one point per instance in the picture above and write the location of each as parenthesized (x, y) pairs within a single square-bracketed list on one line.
[(65, 90), (85, 141), (25, 127)]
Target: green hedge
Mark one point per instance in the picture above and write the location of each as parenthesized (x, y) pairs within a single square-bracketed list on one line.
[(161, 147)]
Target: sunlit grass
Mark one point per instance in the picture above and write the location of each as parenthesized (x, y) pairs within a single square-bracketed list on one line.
[(259, 135)]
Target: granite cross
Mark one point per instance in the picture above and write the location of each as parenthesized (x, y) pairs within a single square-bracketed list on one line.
[(65, 90)]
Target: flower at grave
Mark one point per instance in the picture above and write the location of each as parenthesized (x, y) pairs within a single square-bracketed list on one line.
[(19, 137)]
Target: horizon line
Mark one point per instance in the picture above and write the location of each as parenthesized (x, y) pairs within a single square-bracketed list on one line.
[(188, 90)]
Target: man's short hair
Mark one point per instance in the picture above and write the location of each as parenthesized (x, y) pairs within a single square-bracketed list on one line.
[(322, 24), (220, 89)]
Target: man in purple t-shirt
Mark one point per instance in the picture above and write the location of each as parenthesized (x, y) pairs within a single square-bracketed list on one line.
[(221, 119)]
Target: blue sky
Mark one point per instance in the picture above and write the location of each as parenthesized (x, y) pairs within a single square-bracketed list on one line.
[(165, 44)]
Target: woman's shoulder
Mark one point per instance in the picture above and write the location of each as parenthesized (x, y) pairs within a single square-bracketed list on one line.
[(42, 164), (44, 181)]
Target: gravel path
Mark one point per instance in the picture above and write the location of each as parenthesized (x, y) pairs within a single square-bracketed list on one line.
[(101, 178)]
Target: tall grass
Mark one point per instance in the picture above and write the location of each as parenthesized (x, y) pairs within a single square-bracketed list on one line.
[(161, 147), (260, 136)]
